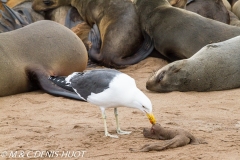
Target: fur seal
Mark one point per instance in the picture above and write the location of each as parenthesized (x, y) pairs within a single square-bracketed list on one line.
[(172, 138), (10, 19), (178, 3), (178, 33), (116, 38), (65, 15), (36, 51), (234, 20), (232, 2), (215, 67), (213, 9), (25, 9), (82, 31), (236, 8), (227, 5)]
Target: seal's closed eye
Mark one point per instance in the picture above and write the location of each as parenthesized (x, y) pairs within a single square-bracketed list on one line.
[(160, 76), (48, 2)]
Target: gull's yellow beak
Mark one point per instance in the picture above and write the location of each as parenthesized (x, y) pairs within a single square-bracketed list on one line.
[(151, 118)]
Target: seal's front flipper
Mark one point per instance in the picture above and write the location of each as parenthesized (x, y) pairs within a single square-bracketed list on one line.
[(41, 76), (95, 39)]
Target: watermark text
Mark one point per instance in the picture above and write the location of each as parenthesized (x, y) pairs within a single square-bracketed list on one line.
[(42, 154)]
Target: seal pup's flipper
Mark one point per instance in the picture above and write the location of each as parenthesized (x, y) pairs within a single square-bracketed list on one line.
[(95, 39), (189, 1), (144, 51), (5, 26), (72, 18), (41, 76), (177, 141), (25, 15), (19, 22)]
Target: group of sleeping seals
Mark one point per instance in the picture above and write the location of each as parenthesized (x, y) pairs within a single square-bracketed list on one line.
[(164, 23), (172, 138), (31, 54), (116, 37), (214, 67)]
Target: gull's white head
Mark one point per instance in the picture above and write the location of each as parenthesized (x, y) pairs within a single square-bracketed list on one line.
[(142, 102)]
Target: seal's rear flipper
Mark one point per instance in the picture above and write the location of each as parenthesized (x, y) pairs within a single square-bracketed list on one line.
[(147, 46), (144, 51), (95, 39), (177, 141), (41, 76)]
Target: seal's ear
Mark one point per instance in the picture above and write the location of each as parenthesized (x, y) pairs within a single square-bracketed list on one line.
[(178, 66), (175, 68)]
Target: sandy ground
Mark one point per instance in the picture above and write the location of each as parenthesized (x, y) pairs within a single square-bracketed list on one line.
[(36, 122)]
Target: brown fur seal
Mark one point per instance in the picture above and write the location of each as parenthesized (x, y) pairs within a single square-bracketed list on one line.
[(236, 8), (178, 3), (36, 51), (65, 15), (25, 9), (118, 43), (215, 67), (178, 33), (172, 138), (234, 20), (213, 9), (82, 31), (232, 2), (11, 19), (227, 5)]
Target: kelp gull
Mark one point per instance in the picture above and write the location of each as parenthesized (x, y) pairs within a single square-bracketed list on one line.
[(106, 88)]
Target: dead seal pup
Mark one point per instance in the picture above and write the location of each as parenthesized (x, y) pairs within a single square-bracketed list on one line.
[(116, 36), (36, 51), (178, 33), (172, 138), (215, 67)]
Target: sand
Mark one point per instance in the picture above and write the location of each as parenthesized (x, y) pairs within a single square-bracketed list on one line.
[(35, 122)]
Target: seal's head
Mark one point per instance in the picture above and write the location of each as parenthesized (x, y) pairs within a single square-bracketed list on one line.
[(169, 78), (154, 132), (44, 5)]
